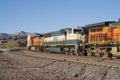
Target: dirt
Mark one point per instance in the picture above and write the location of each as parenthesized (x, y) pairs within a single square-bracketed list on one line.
[(21, 66)]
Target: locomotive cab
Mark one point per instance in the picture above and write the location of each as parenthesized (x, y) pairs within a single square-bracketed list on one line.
[(74, 38), (76, 33)]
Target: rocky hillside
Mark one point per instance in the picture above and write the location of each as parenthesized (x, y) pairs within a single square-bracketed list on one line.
[(16, 36)]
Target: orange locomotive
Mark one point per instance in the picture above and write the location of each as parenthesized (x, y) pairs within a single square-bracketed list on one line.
[(104, 38), (36, 43)]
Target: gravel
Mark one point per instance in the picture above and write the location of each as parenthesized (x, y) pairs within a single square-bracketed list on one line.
[(14, 66)]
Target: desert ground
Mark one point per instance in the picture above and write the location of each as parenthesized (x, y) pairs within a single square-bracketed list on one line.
[(27, 65)]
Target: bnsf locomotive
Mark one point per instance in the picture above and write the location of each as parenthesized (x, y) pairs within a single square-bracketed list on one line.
[(102, 39)]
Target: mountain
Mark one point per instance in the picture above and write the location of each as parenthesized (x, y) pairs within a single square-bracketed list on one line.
[(16, 36), (4, 36)]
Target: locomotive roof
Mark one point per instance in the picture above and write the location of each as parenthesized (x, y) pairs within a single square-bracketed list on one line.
[(99, 24)]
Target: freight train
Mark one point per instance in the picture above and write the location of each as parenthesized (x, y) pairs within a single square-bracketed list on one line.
[(98, 39)]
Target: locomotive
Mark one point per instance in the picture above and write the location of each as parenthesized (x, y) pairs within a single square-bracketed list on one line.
[(102, 39), (63, 41)]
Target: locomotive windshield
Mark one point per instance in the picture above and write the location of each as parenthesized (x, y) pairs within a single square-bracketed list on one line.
[(69, 31), (77, 31)]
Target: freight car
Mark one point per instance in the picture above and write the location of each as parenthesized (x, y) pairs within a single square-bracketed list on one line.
[(62, 41)]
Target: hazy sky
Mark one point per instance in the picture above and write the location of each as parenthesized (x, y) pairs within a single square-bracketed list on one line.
[(49, 15)]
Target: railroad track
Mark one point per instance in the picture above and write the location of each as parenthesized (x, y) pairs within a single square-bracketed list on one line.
[(96, 61)]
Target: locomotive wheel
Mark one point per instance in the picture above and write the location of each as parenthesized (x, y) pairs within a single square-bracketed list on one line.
[(71, 53), (110, 55), (29, 48), (66, 53), (85, 53), (77, 54), (118, 57), (101, 54), (92, 54)]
